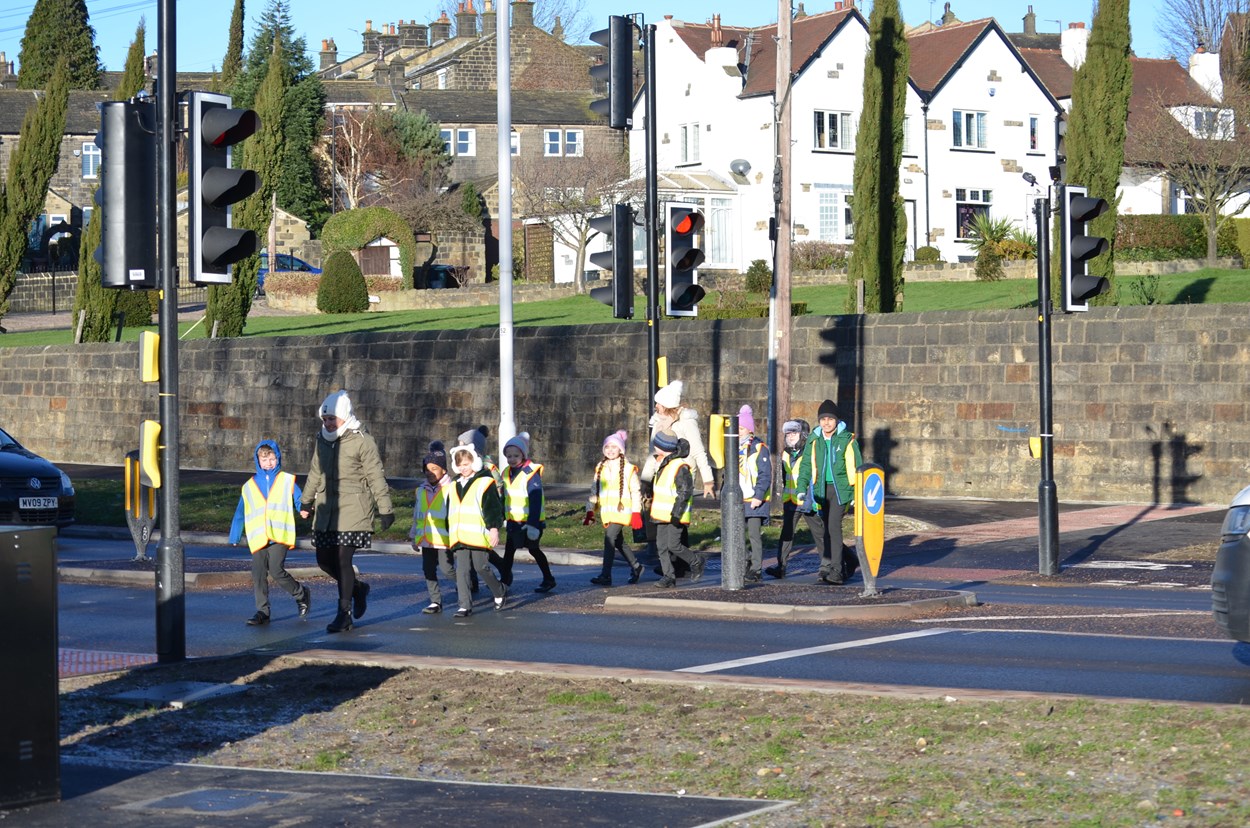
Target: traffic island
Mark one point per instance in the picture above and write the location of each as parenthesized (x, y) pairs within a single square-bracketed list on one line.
[(793, 602)]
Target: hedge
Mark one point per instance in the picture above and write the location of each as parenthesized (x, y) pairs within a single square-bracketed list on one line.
[(1163, 238), (353, 229), (708, 311)]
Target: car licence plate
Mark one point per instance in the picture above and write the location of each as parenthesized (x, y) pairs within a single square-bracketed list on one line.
[(36, 502)]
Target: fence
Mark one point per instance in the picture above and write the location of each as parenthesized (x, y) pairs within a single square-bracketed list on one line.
[(54, 291)]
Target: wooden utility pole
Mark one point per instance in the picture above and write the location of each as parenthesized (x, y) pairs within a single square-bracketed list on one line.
[(779, 301)]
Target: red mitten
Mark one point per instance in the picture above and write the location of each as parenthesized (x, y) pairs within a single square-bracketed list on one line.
[(635, 521), (590, 517)]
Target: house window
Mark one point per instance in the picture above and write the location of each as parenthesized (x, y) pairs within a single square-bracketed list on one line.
[(567, 142), (970, 129), (1034, 123), (833, 131), (907, 135), (90, 160), (1213, 124), (441, 75), (968, 205), (459, 141), (689, 143), (835, 214), (516, 142)]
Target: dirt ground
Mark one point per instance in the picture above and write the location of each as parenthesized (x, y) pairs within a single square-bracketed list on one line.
[(843, 759)]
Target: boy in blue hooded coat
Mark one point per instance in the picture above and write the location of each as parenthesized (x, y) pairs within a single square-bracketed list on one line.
[(266, 517)]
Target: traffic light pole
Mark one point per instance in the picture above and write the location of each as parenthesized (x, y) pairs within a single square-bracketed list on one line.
[(171, 633), (652, 219), (1047, 495)]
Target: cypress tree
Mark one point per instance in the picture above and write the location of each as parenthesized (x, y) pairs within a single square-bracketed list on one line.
[(1094, 142), (232, 63), (303, 190), (30, 169), (100, 302), (56, 30), (877, 216), (228, 305)]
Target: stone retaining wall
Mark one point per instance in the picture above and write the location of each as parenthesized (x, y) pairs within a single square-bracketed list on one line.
[(1149, 402)]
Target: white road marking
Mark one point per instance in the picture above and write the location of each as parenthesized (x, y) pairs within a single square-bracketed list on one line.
[(1061, 617), (824, 648), (1152, 566)]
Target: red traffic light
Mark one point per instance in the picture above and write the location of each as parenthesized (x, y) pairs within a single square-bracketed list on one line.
[(223, 127), (687, 222)]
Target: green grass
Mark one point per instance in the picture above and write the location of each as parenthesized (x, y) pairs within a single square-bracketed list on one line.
[(1206, 286)]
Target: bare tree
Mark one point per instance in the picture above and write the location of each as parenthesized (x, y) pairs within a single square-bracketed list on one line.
[(566, 193), (1186, 24), (351, 134), (1204, 151)]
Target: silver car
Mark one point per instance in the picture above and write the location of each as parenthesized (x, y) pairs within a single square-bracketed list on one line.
[(1230, 582)]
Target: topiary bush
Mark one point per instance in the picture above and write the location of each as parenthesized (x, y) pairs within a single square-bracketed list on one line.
[(927, 255), (353, 229), (989, 265), (759, 277), (342, 288)]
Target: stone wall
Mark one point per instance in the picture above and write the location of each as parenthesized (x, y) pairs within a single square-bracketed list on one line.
[(50, 292), (1149, 402)]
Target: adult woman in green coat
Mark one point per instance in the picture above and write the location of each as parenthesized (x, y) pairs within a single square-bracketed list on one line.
[(346, 486)]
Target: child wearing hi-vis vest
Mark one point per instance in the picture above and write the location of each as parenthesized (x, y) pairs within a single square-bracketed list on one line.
[(429, 524), (616, 493), (474, 518), (525, 508), (672, 490), (266, 515)]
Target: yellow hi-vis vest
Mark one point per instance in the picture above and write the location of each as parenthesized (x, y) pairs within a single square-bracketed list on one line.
[(270, 520), (431, 514), (466, 525), (749, 473), (790, 493), (616, 503), (516, 497), (664, 492)]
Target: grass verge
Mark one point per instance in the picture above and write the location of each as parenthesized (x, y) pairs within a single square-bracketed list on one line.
[(843, 759)]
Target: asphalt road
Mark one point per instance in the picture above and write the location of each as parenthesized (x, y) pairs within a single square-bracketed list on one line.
[(1030, 642)]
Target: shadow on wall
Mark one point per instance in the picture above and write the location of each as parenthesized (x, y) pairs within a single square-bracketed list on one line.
[(881, 453), (846, 341), (1176, 447)]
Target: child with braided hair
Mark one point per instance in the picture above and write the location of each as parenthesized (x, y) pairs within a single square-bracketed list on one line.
[(615, 491)]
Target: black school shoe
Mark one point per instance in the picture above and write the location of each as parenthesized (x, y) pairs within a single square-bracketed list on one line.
[(635, 573), (304, 602), (463, 612), (549, 584), (601, 580), (258, 620), (432, 609)]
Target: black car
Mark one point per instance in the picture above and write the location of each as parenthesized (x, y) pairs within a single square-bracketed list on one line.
[(33, 492)]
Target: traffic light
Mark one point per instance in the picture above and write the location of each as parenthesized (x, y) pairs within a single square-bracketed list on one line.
[(1076, 209), (126, 196), (618, 107), (618, 226), (681, 261), (213, 244)]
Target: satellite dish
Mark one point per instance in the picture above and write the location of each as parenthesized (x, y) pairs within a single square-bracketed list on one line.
[(740, 166)]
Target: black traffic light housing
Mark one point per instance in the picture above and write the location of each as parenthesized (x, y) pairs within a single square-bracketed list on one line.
[(618, 226), (1076, 209), (618, 71), (126, 196), (215, 185), (684, 234)]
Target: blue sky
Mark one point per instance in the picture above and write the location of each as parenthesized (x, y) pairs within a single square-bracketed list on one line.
[(202, 24)]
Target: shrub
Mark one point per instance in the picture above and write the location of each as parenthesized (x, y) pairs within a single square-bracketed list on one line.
[(759, 277), (137, 306), (1163, 238), (353, 229), (989, 265), (342, 288), (1243, 239), (745, 311), (819, 255), (1015, 250), (927, 255)]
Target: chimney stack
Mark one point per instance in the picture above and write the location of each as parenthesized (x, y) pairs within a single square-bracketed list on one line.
[(522, 14), (1030, 22)]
